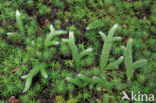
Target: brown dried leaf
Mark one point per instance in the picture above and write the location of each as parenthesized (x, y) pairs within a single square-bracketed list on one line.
[(13, 100)]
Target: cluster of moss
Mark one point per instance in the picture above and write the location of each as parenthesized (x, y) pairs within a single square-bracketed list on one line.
[(24, 48)]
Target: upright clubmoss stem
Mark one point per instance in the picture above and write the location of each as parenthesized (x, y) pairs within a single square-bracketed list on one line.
[(19, 22), (108, 41), (129, 64), (77, 57)]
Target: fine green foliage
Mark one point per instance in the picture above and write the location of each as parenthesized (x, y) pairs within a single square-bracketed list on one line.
[(128, 59), (41, 66), (108, 41), (77, 57)]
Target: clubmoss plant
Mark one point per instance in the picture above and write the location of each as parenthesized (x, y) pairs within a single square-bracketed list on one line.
[(82, 81), (96, 24), (19, 22), (107, 48), (77, 81), (19, 25), (41, 66), (77, 57), (128, 59)]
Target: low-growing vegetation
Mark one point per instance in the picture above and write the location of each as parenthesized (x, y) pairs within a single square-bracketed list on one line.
[(76, 51)]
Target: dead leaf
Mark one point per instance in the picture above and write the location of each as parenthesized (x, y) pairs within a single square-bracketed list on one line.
[(15, 69), (13, 100)]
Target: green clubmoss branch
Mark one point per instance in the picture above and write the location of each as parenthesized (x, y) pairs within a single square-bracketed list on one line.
[(48, 41), (128, 59), (75, 53), (82, 81), (108, 41), (19, 22), (41, 67), (14, 35)]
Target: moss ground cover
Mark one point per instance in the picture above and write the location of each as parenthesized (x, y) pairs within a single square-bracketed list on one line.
[(29, 44)]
